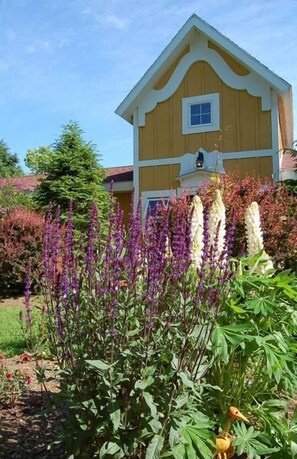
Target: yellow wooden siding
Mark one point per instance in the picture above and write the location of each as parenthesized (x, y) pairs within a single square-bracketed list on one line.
[(158, 177), (165, 78), (260, 166), (243, 124), (233, 64), (124, 200)]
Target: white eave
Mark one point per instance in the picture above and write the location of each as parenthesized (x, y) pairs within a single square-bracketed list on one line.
[(178, 43)]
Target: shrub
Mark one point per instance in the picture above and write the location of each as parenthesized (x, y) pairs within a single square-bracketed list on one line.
[(10, 198), (21, 239), (278, 209), (144, 338)]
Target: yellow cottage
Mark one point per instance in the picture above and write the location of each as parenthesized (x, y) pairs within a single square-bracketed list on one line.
[(205, 107)]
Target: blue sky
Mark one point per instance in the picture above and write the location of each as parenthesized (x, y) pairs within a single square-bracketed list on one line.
[(64, 60)]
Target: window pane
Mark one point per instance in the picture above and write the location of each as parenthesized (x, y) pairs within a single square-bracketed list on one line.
[(195, 119), (200, 114), (205, 107), (195, 109), (206, 119)]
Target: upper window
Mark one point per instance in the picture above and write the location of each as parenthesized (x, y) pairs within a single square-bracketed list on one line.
[(201, 114)]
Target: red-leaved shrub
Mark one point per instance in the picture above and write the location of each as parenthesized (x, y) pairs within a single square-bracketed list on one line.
[(21, 240), (278, 214)]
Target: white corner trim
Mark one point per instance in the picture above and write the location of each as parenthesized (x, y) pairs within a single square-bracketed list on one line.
[(135, 159), (199, 51), (275, 137)]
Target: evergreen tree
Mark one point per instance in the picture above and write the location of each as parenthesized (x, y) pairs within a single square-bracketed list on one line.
[(9, 163), (73, 174)]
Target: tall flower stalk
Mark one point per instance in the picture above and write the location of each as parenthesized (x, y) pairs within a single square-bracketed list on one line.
[(217, 225), (197, 230), (254, 238)]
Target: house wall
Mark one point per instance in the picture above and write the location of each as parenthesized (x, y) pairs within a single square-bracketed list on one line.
[(124, 200), (244, 125), (246, 140)]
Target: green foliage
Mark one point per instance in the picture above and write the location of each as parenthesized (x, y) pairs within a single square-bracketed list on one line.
[(9, 163), (255, 359), (11, 198), (38, 160), (291, 186), (73, 174), (152, 352)]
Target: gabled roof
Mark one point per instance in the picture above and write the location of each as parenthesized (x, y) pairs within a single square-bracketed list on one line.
[(178, 43)]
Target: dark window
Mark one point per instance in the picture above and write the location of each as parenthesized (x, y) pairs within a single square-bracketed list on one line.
[(200, 114), (155, 204)]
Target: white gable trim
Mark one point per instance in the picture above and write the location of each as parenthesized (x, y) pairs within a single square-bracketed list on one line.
[(200, 52), (181, 39)]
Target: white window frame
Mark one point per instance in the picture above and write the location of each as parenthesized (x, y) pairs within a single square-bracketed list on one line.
[(187, 102)]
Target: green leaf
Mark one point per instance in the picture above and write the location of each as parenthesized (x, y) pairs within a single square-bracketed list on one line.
[(98, 364), (186, 381), (143, 384), (293, 449), (150, 402), (154, 448), (115, 416), (109, 449), (181, 400), (179, 451)]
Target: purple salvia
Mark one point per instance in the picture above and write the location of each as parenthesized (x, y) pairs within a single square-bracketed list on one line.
[(27, 296), (91, 241), (134, 243), (180, 244)]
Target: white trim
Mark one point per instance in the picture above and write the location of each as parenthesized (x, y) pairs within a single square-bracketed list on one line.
[(231, 155), (187, 102), (119, 186), (200, 52), (135, 158), (275, 137), (170, 53)]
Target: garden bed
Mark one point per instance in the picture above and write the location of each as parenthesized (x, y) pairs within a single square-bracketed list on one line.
[(27, 429)]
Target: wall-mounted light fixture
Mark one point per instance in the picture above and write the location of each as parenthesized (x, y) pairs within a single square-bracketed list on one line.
[(200, 160)]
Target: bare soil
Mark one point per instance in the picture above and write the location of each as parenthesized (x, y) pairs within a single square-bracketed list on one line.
[(27, 429)]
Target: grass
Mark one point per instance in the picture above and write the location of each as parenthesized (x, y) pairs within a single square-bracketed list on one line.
[(11, 339)]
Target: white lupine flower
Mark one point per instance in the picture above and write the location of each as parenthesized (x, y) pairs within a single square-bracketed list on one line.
[(217, 222), (196, 231), (253, 230), (255, 237)]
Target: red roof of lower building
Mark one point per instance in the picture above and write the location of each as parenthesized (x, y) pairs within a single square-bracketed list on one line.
[(119, 174), (23, 183), (30, 182)]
